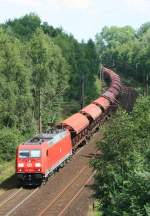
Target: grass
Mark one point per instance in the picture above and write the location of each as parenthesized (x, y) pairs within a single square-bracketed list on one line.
[(7, 169), (93, 212)]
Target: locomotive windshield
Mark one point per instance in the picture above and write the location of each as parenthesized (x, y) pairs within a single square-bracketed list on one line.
[(24, 153), (36, 153)]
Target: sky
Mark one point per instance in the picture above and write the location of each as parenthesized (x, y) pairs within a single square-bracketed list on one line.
[(82, 18)]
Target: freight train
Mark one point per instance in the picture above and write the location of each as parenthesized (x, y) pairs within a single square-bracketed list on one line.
[(39, 157)]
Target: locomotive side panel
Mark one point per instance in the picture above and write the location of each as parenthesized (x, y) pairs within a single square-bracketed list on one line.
[(57, 153)]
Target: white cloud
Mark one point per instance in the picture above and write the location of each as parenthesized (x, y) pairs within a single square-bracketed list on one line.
[(79, 4), (75, 4), (83, 18), (138, 5), (29, 3)]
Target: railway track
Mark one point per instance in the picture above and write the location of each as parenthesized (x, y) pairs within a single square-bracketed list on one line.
[(65, 198), (14, 200), (58, 194), (8, 196), (11, 194), (70, 208)]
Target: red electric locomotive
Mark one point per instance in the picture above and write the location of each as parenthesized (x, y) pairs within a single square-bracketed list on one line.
[(40, 156)]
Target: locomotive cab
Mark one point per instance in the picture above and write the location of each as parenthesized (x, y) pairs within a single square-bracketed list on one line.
[(29, 164)]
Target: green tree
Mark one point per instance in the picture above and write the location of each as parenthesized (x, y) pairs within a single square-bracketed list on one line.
[(24, 27), (121, 182), (16, 99), (51, 31), (110, 41), (143, 29), (92, 71), (83, 61), (127, 50), (49, 75), (9, 139)]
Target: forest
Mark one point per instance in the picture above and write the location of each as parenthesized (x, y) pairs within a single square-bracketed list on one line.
[(43, 71), (41, 74), (123, 169)]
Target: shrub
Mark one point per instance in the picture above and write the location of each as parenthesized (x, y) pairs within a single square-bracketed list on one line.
[(9, 139)]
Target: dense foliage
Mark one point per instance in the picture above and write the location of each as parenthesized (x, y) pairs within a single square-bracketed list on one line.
[(123, 169), (128, 51), (122, 181), (42, 70), (50, 75)]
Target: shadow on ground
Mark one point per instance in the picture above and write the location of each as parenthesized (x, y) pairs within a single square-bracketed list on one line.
[(10, 183), (92, 155)]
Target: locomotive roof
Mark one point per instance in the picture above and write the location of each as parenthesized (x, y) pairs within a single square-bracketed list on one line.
[(51, 137)]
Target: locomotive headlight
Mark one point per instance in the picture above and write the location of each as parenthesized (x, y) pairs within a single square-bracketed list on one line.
[(20, 165), (37, 164)]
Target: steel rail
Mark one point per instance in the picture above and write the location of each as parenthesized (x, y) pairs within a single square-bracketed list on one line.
[(77, 194), (62, 192), (20, 203), (10, 197)]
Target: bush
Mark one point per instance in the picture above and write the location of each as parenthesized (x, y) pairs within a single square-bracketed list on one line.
[(9, 139), (122, 179)]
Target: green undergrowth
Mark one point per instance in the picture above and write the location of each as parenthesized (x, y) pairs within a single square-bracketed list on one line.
[(94, 209), (7, 169), (123, 169)]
